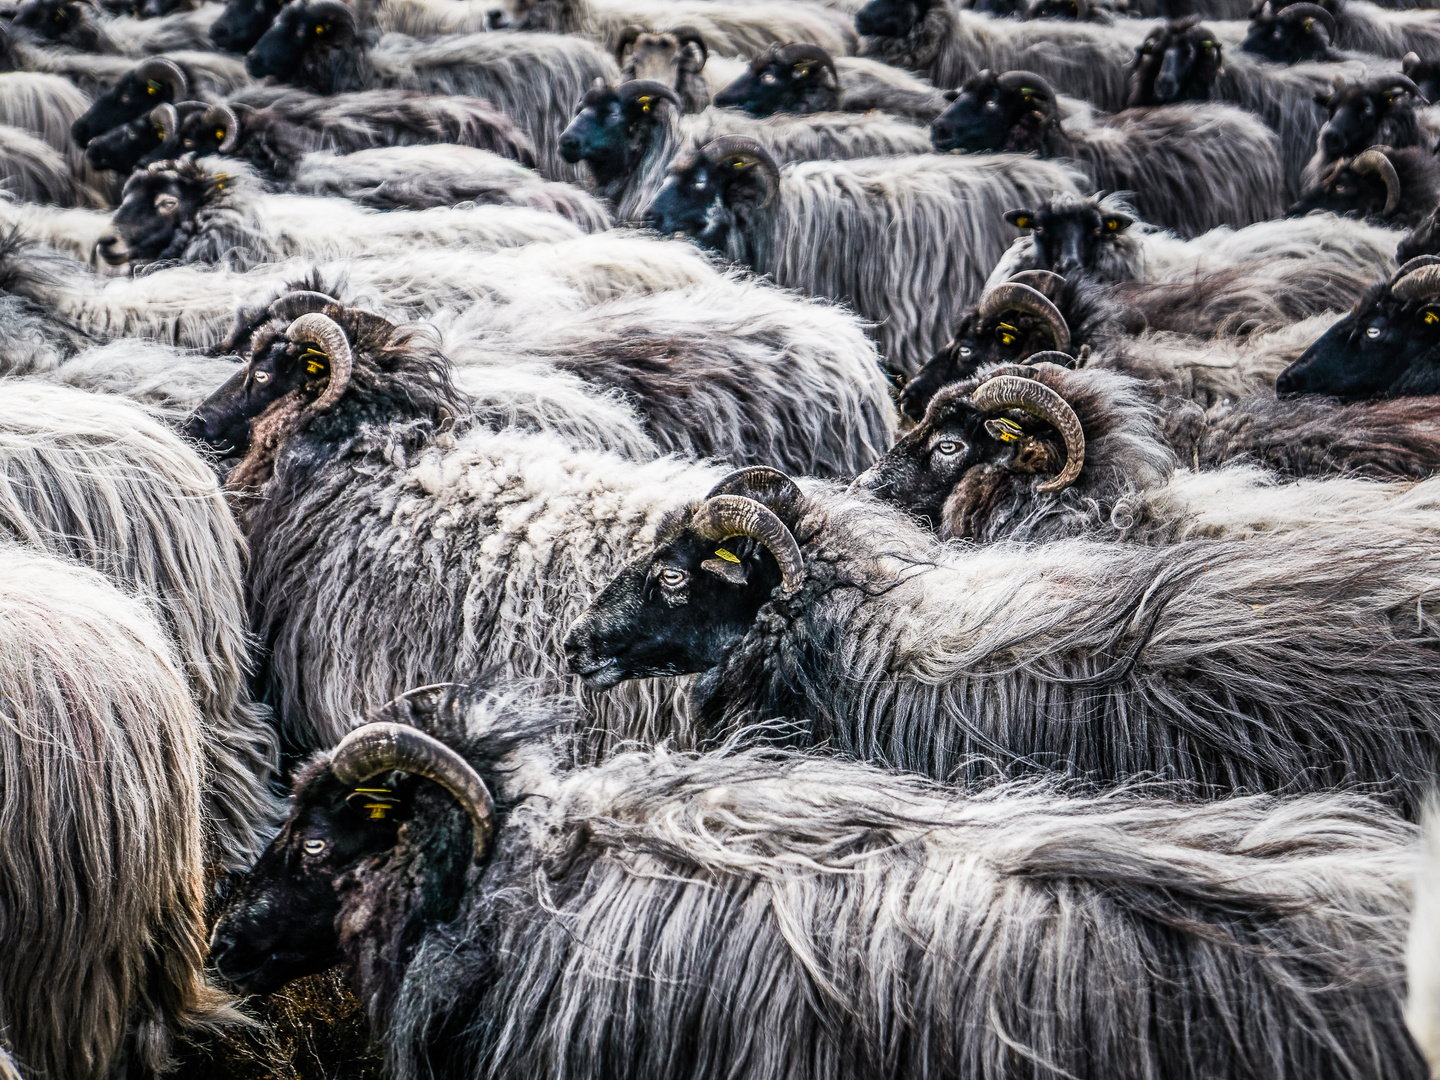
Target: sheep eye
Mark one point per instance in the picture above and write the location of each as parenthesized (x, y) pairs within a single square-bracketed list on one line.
[(262, 377), (166, 203), (673, 578), (313, 847), (965, 351), (947, 447), (768, 79), (1372, 333)]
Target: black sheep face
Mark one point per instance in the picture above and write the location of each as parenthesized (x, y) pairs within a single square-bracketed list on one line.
[(1058, 9), (197, 137), (57, 21), (124, 147), (242, 23), (1000, 8), (892, 18), (300, 29), (279, 368), (611, 130), (677, 611), (700, 199), (1425, 74), (1424, 239), (157, 212), (1177, 62), (1387, 347), (1358, 113), (130, 98), (774, 85), (281, 922), (1070, 240), (1345, 192), (981, 116), (1286, 38)]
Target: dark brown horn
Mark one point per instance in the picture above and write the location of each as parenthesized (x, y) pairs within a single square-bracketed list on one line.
[(377, 748), (1414, 264), (1037, 399), (689, 35), (1013, 296), (1027, 80), (763, 484), (1296, 12), (1050, 359), (1046, 282), (725, 516), (301, 302), (165, 120), (1419, 284), (628, 37), (1398, 82), (224, 118), (161, 70), (324, 332), (799, 50), (1374, 161), (741, 151)]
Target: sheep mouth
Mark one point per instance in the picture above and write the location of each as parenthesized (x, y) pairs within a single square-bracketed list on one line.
[(601, 676)]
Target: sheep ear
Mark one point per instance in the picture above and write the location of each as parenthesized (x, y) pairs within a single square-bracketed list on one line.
[(727, 566), (1004, 430), (373, 803), (1021, 219), (950, 95)]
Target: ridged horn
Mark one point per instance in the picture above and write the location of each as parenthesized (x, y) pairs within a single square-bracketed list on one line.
[(1374, 161), (165, 120), (377, 748), (1295, 12), (1022, 80), (725, 516), (764, 484), (1046, 282), (165, 71), (689, 35), (1412, 265), (638, 88), (1397, 82), (742, 148), (800, 50), (1013, 296), (1050, 359), (324, 332), (627, 37), (1419, 284), (1037, 399), (301, 302), (224, 118)]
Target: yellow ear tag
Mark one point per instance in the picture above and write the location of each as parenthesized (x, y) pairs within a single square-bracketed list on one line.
[(1429, 317), (1006, 430), (380, 806), (1309, 25), (152, 87), (1022, 222), (726, 555), (220, 134)]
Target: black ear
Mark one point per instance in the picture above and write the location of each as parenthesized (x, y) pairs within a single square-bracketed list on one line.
[(1004, 430), (727, 566), (951, 95), (1021, 219)]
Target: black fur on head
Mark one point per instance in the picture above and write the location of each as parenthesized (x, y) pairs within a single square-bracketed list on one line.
[(999, 8), (1424, 73), (1381, 185), (1071, 235), (242, 23), (144, 140), (795, 78), (313, 44), (1388, 346), (892, 18), (1178, 61), (681, 608), (673, 57), (1012, 112), (59, 22), (157, 213), (1380, 110), (715, 191), (1074, 10), (1290, 35), (613, 127), (134, 94)]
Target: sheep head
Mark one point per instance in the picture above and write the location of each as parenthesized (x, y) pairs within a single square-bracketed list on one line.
[(134, 94), (1290, 35), (157, 213), (1009, 424), (1359, 111), (1388, 346), (1070, 234), (143, 141), (795, 78), (1015, 111), (714, 190), (893, 18), (302, 30), (614, 126), (1178, 61), (670, 57), (242, 23), (680, 608), (1381, 185)]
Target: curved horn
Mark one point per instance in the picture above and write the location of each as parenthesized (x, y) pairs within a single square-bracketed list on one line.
[(1050, 359), (799, 50), (1037, 399), (165, 71), (1027, 80), (301, 302), (1295, 12), (1374, 162), (627, 37), (1397, 82), (637, 88), (725, 516), (224, 118), (689, 35), (324, 332), (1045, 282), (1013, 296), (376, 748), (1411, 265), (745, 152), (165, 120), (1419, 284), (762, 483)]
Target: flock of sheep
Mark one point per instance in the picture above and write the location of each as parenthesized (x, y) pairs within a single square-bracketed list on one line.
[(696, 539)]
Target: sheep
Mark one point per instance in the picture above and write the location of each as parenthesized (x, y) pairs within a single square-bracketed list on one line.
[(801, 78), (1067, 242), (1190, 167), (1214, 665), (100, 843), (1184, 60), (629, 135), (1387, 346), (977, 468), (32, 170), (535, 79), (212, 210), (99, 480), (420, 177), (1424, 73), (674, 57), (901, 240), (708, 896), (1294, 33), (138, 88), (1364, 27), (77, 25), (1378, 111), (946, 46), (527, 526), (1383, 185), (143, 141)]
